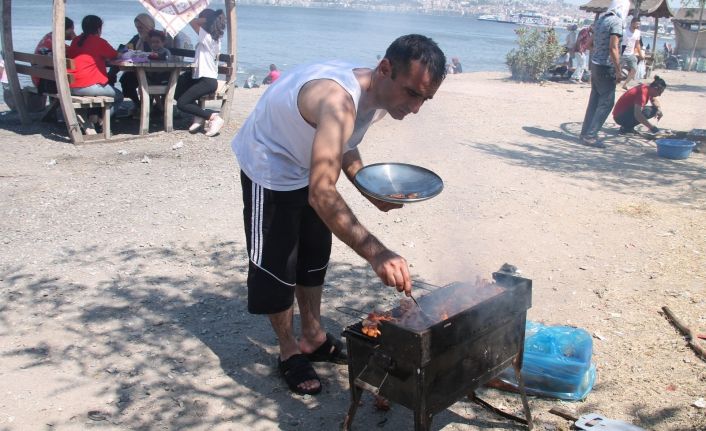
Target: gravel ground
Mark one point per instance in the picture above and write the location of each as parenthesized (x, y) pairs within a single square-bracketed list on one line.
[(123, 265)]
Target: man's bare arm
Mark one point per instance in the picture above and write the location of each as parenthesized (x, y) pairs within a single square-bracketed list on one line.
[(637, 111), (332, 110), (352, 163), (615, 55)]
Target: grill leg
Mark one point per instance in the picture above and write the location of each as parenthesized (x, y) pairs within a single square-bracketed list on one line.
[(356, 393), (523, 393), (422, 419)]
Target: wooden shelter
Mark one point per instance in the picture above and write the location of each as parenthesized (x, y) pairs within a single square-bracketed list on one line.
[(58, 65), (653, 8), (686, 29)]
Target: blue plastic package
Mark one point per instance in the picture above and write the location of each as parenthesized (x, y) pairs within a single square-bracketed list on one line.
[(556, 362)]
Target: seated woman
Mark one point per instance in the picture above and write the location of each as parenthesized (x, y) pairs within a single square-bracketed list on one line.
[(210, 26), (272, 76), (631, 109), (90, 53), (144, 23)]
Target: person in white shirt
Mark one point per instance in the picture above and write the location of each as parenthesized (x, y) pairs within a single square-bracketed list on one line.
[(632, 50), (210, 26), (570, 44), (6, 93), (303, 135)]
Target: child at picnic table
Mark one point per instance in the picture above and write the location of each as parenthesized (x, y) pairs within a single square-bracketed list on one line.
[(90, 52), (159, 51), (210, 26)]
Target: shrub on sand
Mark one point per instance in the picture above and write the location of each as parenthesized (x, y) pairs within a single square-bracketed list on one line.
[(536, 52)]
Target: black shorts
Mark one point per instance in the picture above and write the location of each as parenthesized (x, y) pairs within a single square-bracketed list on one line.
[(288, 245)]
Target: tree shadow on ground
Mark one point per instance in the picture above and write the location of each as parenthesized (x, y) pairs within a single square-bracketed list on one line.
[(122, 127), (701, 89), (628, 165), (166, 335)]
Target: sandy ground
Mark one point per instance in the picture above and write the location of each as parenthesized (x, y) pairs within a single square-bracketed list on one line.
[(122, 265)]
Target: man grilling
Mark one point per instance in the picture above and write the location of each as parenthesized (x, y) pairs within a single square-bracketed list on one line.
[(303, 132)]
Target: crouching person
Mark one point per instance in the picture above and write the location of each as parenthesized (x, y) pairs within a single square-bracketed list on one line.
[(631, 109)]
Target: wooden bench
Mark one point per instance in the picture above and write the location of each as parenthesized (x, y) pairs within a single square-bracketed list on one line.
[(224, 92), (42, 66)]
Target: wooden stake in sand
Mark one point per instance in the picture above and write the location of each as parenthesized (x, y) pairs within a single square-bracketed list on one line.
[(690, 335)]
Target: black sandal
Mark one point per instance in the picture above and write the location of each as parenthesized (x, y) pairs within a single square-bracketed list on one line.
[(330, 351), (297, 370)]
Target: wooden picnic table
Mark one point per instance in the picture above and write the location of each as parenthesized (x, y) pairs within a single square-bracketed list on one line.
[(146, 89)]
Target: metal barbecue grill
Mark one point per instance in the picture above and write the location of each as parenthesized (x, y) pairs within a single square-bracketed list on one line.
[(427, 369)]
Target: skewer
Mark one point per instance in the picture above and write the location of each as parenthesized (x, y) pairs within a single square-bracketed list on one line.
[(424, 315)]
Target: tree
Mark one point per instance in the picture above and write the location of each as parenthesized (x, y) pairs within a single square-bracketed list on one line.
[(537, 49)]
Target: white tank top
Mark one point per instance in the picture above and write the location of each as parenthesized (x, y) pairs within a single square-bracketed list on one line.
[(273, 147)]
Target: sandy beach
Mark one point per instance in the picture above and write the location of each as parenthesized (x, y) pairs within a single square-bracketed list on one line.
[(123, 265)]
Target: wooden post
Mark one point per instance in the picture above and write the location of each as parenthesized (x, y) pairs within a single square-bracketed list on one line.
[(62, 81), (143, 89), (232, 25), (654, 42), (10, 62)]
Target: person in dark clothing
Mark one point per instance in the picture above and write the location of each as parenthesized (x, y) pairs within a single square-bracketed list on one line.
[(605, 75), (144, 23), (456, 63)]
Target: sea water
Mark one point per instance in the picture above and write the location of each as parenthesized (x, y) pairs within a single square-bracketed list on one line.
[(289, 36)]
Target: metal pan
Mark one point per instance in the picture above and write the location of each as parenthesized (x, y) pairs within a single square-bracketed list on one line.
[(398, 182)]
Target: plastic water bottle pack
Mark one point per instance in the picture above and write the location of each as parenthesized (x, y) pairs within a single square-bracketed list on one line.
[(556, 362)]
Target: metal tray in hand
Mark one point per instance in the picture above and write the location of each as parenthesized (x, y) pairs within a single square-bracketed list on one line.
[(398, 182)]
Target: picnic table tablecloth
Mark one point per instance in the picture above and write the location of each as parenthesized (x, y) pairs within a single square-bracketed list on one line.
[(174, 15)]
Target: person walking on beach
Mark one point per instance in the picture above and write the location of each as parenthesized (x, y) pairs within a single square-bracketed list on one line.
[(303, 133), (631, 109), (605, 74), (632, 50)]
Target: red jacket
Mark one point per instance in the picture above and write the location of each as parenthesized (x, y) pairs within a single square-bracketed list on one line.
[(90, 60), (637, 95)]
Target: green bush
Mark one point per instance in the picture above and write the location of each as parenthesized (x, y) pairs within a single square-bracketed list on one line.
[(537, 51), (658, 60)]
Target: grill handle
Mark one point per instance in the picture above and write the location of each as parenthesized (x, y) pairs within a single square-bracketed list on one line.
[(361, 383)]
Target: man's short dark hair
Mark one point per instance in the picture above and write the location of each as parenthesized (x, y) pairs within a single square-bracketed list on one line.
[(411, 47), (68, 23)]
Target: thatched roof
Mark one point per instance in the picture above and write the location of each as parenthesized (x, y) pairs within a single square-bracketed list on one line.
[(688, 15), (651, 8)]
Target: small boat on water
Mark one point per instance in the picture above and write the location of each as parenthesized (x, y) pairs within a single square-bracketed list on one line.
[(498, 18), (533, 19)]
